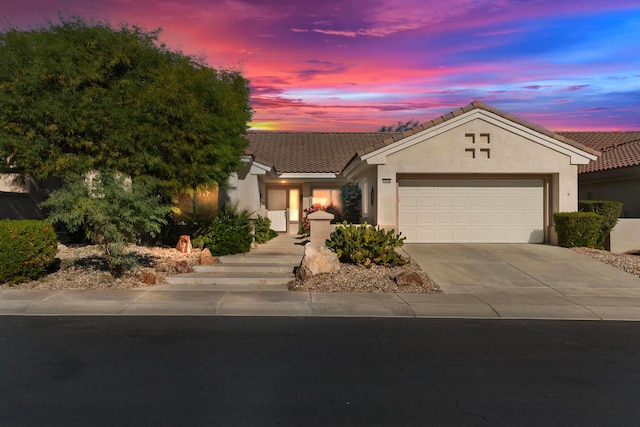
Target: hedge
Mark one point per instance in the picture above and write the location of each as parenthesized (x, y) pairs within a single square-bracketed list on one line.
[(578, 228), (27, 249), (609, 210)]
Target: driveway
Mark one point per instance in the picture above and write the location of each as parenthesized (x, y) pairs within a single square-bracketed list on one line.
[(520, 269)]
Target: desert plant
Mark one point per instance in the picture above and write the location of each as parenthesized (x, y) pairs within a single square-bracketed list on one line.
[(610, 211), (351, 198), (27, 249), (366, 245), (262, 229), (230, 232), (578, 229), (111, 211)]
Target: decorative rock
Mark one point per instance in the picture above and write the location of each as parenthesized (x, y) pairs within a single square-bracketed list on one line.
[(148, 278), (206, 258), (184, 244), (409, 278), (317, 260), (182, 267)]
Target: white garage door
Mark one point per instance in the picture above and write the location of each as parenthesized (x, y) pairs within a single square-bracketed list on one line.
[(472, 211)]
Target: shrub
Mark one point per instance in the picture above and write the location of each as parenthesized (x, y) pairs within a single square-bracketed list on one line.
[(27, 249), (110, 211), (610, 211), (365, 245), (305, 226), (351, 198), (262, 229), (230, 232), (578, 228)]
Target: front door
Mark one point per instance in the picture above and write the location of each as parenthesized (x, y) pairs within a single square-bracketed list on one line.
[(283, 209)]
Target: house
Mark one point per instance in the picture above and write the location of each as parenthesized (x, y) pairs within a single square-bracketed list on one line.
[(473, 175), (615, 175)]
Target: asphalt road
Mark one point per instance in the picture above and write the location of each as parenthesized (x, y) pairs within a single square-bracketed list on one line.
[(192, 371)]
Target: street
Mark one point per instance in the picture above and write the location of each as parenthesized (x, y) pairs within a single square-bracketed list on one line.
[(192, 371)]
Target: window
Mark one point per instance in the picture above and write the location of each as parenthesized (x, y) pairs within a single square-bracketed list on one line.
[(365, 198), (326, 197)]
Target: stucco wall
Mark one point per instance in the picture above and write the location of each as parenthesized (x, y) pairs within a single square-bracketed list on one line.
[(450, 153), (622, 185), (625, 236)]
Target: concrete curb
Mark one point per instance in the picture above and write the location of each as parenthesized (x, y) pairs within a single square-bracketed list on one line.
[(305, 304)]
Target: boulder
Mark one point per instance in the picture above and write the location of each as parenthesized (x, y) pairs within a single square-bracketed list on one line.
[(206, 258), (409, 278), (317, 260), (184, 244), (182, 266), (148, 278)]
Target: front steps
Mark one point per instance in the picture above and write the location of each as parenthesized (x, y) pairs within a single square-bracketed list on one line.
[(239, 272)]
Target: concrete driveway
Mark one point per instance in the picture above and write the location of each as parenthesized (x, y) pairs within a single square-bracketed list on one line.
[(520, 269)]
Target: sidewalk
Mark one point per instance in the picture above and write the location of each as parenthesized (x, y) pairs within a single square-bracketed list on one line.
[(149, 301), (479, 281)]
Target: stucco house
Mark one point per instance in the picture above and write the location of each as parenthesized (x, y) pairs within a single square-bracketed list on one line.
[(474, 175), (615, 175)]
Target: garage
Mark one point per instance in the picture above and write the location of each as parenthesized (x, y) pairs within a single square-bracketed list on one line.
[(472, 210)]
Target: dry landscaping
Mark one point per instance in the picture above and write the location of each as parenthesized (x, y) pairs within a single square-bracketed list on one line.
[(82, 267)]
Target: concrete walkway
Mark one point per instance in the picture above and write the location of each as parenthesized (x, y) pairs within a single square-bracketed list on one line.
[(479, 281)]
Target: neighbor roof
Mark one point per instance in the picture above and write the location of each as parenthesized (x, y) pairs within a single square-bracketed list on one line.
[(309, 152), (619, 149)]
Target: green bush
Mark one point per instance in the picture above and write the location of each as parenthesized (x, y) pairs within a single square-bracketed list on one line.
[(262, 229), (27, 249), (110, 211), (230, 231), (610, 211), (365, 245), (351, 198), (577, 229)]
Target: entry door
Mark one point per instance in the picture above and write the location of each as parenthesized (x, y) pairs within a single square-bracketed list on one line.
[(277, 208), (283, 209)]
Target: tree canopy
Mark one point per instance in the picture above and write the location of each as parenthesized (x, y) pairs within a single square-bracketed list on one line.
[(80, 96), (400, 127)]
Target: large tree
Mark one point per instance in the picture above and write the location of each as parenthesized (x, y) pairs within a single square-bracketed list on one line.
[(80, 96)]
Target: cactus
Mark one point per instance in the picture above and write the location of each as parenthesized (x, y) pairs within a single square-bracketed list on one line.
[(366, 245)]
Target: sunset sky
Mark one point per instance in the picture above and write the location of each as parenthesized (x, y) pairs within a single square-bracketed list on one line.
[(355, 65)]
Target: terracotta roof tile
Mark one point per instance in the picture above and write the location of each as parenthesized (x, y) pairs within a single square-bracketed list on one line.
[(311, 152), (619, 149)]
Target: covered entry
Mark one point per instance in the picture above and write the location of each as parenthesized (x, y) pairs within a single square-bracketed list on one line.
[(283, 209), (472, 210)]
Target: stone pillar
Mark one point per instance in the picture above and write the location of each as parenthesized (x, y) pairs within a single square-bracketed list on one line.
[(320, 227)]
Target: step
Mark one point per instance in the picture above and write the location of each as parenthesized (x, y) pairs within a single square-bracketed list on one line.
[(244, 267), (256, 278), (261, 259)]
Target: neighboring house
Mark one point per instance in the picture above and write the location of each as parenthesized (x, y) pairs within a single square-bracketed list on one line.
[(19, 198), (615, 175), (473, 175)]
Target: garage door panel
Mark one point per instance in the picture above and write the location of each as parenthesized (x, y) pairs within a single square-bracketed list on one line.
[(472, 210)]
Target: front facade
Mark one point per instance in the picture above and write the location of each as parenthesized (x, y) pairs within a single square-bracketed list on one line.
[(474, 175)]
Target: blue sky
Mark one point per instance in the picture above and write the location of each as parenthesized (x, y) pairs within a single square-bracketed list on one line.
[(357, 65)]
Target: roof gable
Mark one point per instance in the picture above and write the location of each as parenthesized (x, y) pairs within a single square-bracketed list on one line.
[(579, 153)]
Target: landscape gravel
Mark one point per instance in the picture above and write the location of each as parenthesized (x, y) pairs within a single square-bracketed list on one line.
[(81, 267), (629, 262)]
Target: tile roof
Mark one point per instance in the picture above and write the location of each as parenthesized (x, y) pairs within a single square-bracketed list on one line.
[(619, 149), (330, 152), (309, 152)]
